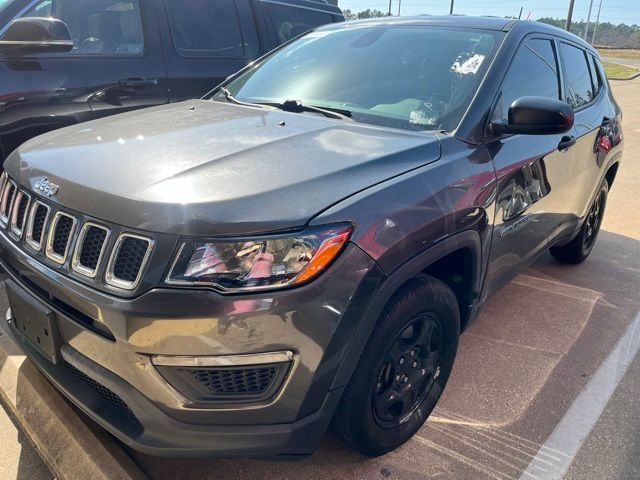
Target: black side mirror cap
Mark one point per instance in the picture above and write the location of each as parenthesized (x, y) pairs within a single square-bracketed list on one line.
[(536, 116), (29, 36)]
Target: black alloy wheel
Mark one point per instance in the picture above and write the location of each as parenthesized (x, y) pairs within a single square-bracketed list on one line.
[(410, 368)]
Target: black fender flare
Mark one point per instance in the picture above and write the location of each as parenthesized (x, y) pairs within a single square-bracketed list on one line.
[(469, 239)]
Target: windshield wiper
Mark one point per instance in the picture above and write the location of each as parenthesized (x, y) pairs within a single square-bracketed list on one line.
[(296, 106), (230, 98)]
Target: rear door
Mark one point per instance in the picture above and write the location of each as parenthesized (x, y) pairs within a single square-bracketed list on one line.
[(582, 88), (116, 64), (205, 41)]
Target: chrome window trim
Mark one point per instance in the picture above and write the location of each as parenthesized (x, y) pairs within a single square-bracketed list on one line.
[(29, 236), (5, 209), (54, 223), (75, 261), (222, 360), (111, 279), (14, 213)]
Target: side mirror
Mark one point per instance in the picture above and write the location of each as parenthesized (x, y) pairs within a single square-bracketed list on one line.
[(28, 36), (536, 116)]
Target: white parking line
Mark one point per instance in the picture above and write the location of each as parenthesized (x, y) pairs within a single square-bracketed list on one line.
[(579, 420)]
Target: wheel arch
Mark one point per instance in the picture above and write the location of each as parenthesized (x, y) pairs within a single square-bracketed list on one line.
[(612, 171), (466, 245)]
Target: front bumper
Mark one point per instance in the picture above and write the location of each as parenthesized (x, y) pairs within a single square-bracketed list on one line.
[(314, 322)]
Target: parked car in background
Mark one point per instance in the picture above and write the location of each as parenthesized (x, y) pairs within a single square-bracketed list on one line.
[(135, 53), (228, 276)]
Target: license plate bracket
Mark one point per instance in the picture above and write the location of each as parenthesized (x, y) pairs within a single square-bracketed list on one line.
[(34, 321)]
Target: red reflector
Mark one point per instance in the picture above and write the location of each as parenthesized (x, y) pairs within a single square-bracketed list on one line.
[(604, 143)]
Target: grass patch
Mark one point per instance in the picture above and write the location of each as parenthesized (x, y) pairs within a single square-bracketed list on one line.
[(622, 53), (613, 70)]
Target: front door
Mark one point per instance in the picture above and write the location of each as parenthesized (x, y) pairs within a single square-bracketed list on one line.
[(532, 170)]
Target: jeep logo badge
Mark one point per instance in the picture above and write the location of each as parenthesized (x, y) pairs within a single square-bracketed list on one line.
[(46, 187)]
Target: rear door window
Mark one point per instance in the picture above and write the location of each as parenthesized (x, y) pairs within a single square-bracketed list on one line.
[(98, 27), (579, 90), (533, 72), (290, 21), (205, 28)]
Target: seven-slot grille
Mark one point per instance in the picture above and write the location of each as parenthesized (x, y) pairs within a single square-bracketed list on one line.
[(53, 233)]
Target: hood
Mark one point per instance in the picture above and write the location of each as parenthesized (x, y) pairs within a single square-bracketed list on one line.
[(209, 168)]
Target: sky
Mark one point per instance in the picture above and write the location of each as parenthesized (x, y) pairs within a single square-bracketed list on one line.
[(614, 11)]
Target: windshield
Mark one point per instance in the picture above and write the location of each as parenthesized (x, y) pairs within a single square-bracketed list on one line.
[(410, 77)]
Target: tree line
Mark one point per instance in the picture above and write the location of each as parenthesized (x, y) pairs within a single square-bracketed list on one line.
[(607, 34)]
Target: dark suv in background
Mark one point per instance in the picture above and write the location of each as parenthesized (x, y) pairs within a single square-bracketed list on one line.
[(136, 53)]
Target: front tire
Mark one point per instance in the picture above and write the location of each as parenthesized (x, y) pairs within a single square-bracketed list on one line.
[(578, 249), (403, 369)]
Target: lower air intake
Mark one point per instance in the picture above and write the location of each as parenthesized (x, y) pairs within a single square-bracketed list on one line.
[(228, 384)]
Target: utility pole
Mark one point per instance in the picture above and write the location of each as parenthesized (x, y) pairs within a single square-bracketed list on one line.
[(520, 14), (567, 26), (399, 3), (586, 27), (595, 27), (389, 13), (451, 8)]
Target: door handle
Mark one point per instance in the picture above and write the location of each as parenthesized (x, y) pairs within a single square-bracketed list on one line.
[(566, 142), (138, 82)]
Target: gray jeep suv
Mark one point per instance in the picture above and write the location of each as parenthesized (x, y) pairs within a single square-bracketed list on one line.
[(302, 248)]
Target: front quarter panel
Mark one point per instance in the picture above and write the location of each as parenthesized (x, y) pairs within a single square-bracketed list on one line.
[(400, 218)]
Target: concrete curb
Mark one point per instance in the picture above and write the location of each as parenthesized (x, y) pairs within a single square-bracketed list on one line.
[(632, 77), (72, 448)]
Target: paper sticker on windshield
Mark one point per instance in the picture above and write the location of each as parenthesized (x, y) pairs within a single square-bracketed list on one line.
[(470, 65)]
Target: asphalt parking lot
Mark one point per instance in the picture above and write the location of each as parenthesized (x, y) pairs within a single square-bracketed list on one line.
[(546, 381)]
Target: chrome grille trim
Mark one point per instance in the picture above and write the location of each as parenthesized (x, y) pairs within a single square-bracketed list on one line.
[(5, 205), (30, 222), (75, 261), (15, 228), (110, 277), (51, 237), (3, 180)]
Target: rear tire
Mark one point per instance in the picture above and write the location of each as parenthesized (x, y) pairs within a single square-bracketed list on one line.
[(580, 247), (403, 369)]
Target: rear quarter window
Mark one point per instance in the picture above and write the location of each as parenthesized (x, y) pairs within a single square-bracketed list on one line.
[(595, 75)]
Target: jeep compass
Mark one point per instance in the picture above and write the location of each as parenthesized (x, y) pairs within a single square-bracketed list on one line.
[(301, 248)]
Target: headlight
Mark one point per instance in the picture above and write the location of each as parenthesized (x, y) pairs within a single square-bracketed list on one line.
[(258, 263)]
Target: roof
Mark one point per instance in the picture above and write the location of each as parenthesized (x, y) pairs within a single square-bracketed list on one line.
[(483, 23)]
